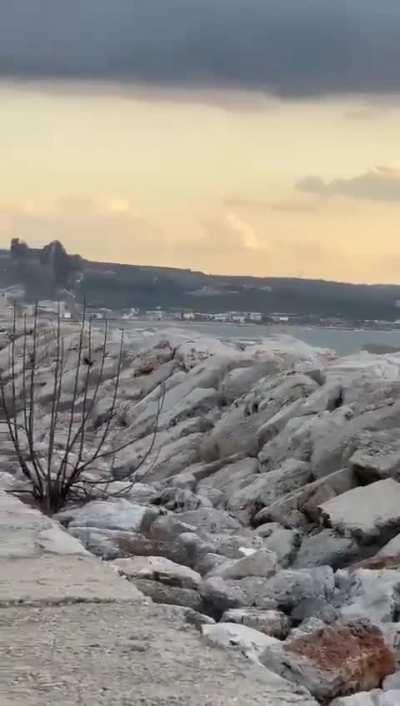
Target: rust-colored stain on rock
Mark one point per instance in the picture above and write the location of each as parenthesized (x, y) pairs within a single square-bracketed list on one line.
[(355, 651)]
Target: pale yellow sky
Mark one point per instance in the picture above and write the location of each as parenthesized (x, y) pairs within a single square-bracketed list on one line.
[(201, 180)]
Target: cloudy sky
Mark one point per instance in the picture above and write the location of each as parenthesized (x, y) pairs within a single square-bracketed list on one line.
[(233, 136)]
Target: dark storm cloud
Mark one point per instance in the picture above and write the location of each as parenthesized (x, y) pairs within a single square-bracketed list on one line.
[(289, 47), (380, 184)]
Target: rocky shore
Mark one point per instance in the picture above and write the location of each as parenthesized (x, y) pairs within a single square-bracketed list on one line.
[(268, 510)]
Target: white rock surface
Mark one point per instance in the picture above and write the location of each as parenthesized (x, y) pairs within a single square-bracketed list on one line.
[(392, 682), (374, 595), (259, 563), (158, 568), (250, 642), (271, 622), (365, 512), (114, 515)]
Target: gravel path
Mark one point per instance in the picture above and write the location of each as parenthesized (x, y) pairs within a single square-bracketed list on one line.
[(123, 655), (74, 633)]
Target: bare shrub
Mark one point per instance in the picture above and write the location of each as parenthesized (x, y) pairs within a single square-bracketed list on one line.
[(75, 374)]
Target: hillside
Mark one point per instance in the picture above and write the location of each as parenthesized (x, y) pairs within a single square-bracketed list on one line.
[(119, 286)]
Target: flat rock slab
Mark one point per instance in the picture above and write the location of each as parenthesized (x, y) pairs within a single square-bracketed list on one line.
[(366, 512), (27, 533), (120, 654), (157, 568), (57, 579)]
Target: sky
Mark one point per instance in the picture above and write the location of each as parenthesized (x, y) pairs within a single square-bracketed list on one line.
[(257, 137)]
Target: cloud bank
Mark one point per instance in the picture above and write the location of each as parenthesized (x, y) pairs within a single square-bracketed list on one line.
[(286, 47), (380, 184)]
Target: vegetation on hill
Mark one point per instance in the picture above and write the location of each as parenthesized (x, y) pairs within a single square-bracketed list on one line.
[(44, 272)]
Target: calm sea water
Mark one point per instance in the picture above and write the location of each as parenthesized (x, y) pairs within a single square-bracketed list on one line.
[(344, 342)]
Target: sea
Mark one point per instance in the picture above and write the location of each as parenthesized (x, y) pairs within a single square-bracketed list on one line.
[(344, 342)]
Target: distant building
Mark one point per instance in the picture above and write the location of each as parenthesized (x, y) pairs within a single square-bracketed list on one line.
[(255, 316), (221, 317), (155, 314), (279, 318), (237, 318)]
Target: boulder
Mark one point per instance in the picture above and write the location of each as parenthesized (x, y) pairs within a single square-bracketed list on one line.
[(7, 481), (378, 456), (170, 595), (200, 471), (55, 540), (180, 499), (302, 506), (111, 544), (231, 478), (239, 381), (325, 548), (187, 397), (257, 593), (392, 682), (157, 568), (334, 436), (294, 441), (288, 587), (370, 594), (239, 429), (139, 493), (282, 390), (148, 450), (260, 563), (179, 541), (170, 459), (316, 609), (391, 633), (266, 488), (249, 641), (238, 544), (283, 542), (326, 398), (111, 514), (307, 627), (366, 513), (26, 533), (197, 403), (210, 520), (234, 433), (206, 564), (333, 661), (271, 622), (390, 549), (273, 426), (166, 537), (220, 595), (197, 350), (285, 590)]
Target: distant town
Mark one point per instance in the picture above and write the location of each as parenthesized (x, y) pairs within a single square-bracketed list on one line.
[(69, 308)]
